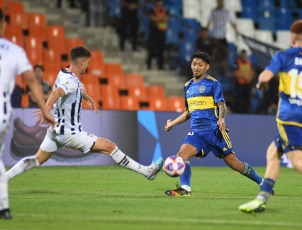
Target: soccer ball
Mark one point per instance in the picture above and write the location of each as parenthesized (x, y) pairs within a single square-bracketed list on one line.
[(174, 166)]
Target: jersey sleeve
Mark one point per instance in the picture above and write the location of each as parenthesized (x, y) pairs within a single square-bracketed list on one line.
[(69, 85), (186, 103), (275, 63), (218, 93), (23, 63)]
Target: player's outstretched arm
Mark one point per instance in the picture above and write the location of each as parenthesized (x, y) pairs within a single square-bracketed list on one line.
[(264, 78), (38, 94), (182, 118), (90, 102), (222, 114)]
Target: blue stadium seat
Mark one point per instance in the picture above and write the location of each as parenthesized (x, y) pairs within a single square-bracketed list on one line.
[(186, 48), (248, 12), (292, 4), (283, 19), (267, 23), (266, 5), (173, 31), (250, 4)]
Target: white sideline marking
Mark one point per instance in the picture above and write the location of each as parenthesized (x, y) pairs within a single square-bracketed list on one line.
[(156, 219)]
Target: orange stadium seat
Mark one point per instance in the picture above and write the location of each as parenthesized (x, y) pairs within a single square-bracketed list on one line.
[(134, 79), (93, 90), (65, 64), (110, 97), (138, 91), (16, 39), (36, 19), (52, 67), (14, 7), (155, 91), (51, 56), (176, 104), (37, 31), (129, 103), (3, 5), (157, 103), (55, 32), (97, 65), (89, 78), (56, 45), (115, 75), (21, 82), (24, 100), (13, 30), (113, 69), (73, 42), (51, 77), (18, 19), (34, 43), (35, 56)]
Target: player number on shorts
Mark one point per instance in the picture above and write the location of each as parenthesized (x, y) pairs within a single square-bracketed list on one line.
[(294, 90)]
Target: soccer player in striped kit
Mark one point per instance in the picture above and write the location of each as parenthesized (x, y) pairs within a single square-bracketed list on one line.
[(289, 116), (13, 60), (66, 99)]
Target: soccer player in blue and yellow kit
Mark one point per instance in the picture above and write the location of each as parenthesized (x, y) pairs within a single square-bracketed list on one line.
[(289, 117), (206, 107)]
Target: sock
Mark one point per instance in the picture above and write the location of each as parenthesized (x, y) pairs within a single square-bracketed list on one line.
[(185, 178), (125, 161), (249, 172), (3, 188), (266, 189), (22, 166)]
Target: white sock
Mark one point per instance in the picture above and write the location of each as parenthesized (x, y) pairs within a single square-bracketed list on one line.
[(22, 166), (3, 188), (125, 161), (186, 187)]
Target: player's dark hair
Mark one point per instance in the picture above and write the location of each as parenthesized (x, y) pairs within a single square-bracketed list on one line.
[(39, 66), (1, 15), (202, 55), (79, 52)]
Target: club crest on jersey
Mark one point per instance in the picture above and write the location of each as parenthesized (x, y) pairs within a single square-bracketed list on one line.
[(202, 89), (67, 82)]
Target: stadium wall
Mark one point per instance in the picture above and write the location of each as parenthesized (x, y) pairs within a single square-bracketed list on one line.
[(141, 135)]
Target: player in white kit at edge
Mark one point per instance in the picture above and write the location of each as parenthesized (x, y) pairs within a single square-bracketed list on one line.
[(13, 60), (66, 100)]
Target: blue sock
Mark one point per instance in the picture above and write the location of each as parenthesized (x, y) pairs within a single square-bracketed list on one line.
[(266, 189), (185, 178), (249, 172)]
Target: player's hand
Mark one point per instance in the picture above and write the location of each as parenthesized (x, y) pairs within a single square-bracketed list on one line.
[(262, 85), (92, 106), (169, 125), (44, 117), (221, 124)]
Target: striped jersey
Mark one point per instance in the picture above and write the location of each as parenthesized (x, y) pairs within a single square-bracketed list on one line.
[(13, 60), (68, 107), (219, 18), (201, 100), (289, 65)]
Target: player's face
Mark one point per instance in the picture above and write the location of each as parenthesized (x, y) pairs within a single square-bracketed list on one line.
[(84, 63), (199, 67)]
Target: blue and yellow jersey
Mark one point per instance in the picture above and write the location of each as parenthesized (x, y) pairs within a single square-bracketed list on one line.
[(289, 65), (201, 101)]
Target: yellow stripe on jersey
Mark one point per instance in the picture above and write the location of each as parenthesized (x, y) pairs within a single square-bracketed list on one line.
[(227, 139), (211, 78), (200, 103), (288, 123), (282, 133)]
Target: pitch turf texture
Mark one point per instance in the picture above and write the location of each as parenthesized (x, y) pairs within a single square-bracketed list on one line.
[(116, 198)]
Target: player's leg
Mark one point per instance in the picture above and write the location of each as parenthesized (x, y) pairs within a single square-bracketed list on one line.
[(243, 168), (27, 163), (296, 159), (272, 172), (103, 145)]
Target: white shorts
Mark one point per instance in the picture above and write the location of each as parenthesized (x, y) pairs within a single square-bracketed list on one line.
[(82, 141)]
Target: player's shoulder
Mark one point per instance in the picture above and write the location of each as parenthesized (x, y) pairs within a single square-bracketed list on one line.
[(11, 47), (208, 77), (188, 82)]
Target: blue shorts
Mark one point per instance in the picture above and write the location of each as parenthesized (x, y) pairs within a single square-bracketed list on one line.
[(212, 140), (289, 138)]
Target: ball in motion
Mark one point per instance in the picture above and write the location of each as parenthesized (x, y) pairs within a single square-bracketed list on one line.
[(174, 166)]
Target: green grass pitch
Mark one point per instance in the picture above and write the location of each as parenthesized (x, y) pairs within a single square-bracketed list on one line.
[(116, 198)]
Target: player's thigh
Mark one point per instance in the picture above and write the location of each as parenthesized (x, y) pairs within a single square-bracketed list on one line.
[(42, 156), (295, 158), (273, 152), (187, 151), (103, 145)]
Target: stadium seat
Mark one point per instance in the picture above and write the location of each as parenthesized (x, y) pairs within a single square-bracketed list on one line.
[(117, 80), (35, 56), (14, 7), (18, 19), (93, 90), (16, 39), (246, 27), (233, 5), (155, 91), (283, 19), (266, 21), (157, 103), (89, 79), (51, 77), (51, 56), (55, 32), (21, 82), (34, 43), (37, 31), (176, 104), (129, 103), (52, 66), (57, 45), (97, 65), (138, 91), (73, 42), (134, 79), (13, 30), (110, 97), (265, 36), (24, 101), (36, 19), (283, 38), (266, 5)]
